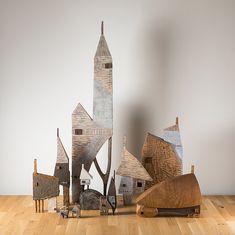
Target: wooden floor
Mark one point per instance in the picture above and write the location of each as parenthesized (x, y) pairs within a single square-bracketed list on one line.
[(17, 216)]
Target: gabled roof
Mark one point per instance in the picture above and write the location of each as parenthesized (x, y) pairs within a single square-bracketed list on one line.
[(62, 156), (80, 110), (85, 174), (131, 166), (102, 48)]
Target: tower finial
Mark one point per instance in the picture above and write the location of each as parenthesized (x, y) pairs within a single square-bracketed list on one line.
[(102, 28), (177, 121), (124, 141), (58, 132)]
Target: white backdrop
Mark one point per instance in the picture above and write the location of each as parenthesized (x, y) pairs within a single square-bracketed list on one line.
[(170, 57)]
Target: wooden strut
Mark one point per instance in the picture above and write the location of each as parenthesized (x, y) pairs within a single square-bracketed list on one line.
[(105, 176)]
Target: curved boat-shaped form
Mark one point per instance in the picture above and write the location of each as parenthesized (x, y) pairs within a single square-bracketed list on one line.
[(181, 192)]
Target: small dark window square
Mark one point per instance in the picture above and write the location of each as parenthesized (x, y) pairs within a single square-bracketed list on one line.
[(139, 184), (78, 131), (37, 184), (108, 65), (148, 160), (123, 185)]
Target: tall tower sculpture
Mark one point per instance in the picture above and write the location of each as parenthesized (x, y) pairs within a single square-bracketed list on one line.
[(89, 135)]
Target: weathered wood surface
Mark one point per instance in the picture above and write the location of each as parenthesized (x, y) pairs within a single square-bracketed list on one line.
[(44, 186), (66, 195), (18, 217), (112, 196), (105, 176), (160, 160), (104, 208), (152, 212), (132, 167), (172, 135), (90, 135), (62, 164), (90, 200), (178, 192)]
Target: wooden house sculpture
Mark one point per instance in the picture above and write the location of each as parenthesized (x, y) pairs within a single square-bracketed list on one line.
[(172, 135), (160, 160), (179, 195), (44, 187), (62, 170), (85, 177), (89, 135), (133, 175)]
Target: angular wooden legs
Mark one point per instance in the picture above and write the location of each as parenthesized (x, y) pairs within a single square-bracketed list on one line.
[(39, 205)]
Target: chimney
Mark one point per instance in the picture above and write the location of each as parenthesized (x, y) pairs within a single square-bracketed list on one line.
[(177, 121), (192, 169), (35, 167)]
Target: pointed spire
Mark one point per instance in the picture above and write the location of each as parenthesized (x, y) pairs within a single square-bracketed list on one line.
[(177, 121), (102, 28), (124, 141), (58, 132), (35, 167)]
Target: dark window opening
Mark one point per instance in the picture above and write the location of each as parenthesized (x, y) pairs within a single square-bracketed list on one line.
[(139, 184), (142, 212), (37, 184), (108, 65), (78, 131), (148, 160), (58, 167), (123, 185)]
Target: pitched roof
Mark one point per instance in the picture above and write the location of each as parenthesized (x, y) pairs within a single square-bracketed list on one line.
[(102, 48), (81, 111), (85, 174), (62, 156), (131, 166)]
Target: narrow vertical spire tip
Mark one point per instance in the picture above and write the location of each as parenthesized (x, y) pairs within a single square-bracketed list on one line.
[(102, 28)]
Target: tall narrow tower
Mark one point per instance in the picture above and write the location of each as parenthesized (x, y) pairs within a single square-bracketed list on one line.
[(89, 135), (103, 84)]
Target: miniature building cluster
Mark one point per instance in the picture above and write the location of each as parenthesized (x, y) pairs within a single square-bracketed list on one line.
[(156, 180)]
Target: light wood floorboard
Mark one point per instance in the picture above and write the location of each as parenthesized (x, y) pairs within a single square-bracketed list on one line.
[(17, 216)]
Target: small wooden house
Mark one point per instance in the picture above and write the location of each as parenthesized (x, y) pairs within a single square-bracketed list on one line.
[(85, 177), (44, 187)]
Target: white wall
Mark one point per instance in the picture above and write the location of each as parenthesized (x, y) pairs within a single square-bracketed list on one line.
[(171, 57)]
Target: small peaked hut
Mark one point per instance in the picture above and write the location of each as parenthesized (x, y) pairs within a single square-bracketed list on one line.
[(44, 187), (134, 175), (62, 169), (160, 159), (131, 166), (172, 135), (181, 192), (85, 177)]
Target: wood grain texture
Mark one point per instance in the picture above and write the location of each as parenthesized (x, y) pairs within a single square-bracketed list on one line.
[(132, 167), (89, 134), (160, 160), (178, 192), (18, 217), (45, 186)]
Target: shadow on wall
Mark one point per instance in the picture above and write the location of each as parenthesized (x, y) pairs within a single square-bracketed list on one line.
[(146, 112), (215, 149)]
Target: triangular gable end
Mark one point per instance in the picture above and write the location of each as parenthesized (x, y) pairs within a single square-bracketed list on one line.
[(131, 166)]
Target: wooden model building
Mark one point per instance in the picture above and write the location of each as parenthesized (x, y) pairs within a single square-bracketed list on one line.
[(179, 195), (85, 177), (44, 187), (134, 175), (160, 159), (172, 135), (89, 135), (62, 169)]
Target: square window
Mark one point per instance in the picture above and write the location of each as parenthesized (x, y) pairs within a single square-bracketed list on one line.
[(139, 184), (108, 65), (78, 131)]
